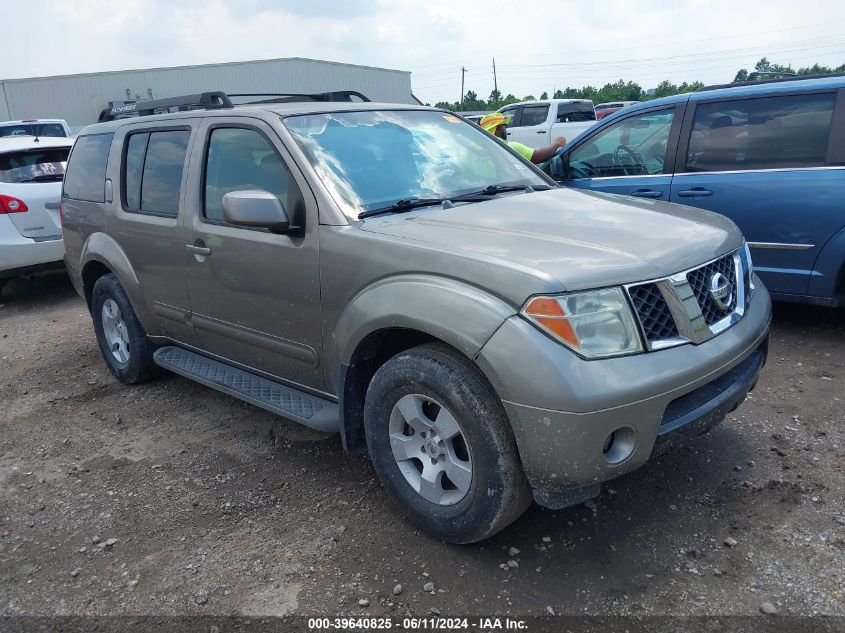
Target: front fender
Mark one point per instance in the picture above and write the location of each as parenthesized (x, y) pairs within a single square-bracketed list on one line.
[(101, 248), (460, 315)]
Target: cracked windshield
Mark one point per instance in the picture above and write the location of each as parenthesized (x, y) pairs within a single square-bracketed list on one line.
[(372, 159)]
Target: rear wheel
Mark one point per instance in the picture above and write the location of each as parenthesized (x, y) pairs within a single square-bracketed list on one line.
[(123, 342), (442, 446)]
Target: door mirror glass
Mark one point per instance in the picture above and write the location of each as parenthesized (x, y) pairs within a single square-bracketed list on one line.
[(255, 208)]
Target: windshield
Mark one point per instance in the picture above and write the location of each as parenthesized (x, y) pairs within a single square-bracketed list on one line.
[(33, 129), (372, 159), (34, 165)]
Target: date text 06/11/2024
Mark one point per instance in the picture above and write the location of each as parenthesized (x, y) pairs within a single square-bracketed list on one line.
[(481, 625)]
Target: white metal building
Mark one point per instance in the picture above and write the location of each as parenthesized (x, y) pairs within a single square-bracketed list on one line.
[(79, 98)]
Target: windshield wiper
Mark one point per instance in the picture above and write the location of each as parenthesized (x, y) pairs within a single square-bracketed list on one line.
[(494, 190), (45, 178), (406, 204), (400, 206)]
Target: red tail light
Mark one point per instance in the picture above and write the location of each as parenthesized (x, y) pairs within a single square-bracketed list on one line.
[(8, 204)]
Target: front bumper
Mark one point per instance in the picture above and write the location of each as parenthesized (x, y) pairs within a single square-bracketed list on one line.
[(578, 423)]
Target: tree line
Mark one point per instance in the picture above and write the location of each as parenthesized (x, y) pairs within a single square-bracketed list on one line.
[(626, 90)]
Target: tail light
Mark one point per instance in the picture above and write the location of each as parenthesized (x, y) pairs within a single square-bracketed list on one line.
[(10, 204)]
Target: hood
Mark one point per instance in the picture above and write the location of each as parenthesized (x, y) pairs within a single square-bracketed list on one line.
[(581, 239)]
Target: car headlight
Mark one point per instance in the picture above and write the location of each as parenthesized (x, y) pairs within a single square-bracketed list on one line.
[(749, 268), (594, 323)]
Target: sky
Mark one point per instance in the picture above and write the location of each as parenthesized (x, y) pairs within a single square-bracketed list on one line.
[(538, 45)]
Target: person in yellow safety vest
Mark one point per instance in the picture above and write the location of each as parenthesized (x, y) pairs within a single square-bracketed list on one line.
[(497, 125)]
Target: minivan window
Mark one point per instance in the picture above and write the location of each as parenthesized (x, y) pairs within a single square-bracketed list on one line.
[(152, 171), (34, 165), (533, 115), (85, 178), (241, 158), (633, 146), (761, 133)]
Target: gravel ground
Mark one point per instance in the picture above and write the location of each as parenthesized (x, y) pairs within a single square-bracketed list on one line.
[(170, 498)]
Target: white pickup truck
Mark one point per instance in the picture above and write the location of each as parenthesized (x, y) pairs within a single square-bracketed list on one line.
[(538, 123)]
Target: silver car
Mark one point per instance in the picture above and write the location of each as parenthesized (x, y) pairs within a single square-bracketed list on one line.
[(398, 276)]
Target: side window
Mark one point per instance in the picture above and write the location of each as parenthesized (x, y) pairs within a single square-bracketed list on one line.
[(514, 112), (763, 133), (85, 177), (634, 146), (152, 171), (240, 158), (576, 111), (533, 115)]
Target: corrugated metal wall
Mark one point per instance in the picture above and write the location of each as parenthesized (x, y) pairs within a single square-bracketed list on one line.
[(79, 98)]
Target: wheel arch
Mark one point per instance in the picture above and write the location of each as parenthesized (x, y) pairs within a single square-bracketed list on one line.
[(396, 314), (102, 255)]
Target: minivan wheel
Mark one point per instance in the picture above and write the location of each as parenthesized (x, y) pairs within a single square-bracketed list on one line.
[(442, 446), (123, 342)]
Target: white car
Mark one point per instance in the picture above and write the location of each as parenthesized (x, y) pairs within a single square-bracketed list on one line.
[(538, 123), (31, 173), (35, 127)]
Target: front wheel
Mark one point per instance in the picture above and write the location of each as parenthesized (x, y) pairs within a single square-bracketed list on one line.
[(442, 446), (123, 342)]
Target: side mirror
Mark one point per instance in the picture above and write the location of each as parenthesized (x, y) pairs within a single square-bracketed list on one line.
[(255, 208)]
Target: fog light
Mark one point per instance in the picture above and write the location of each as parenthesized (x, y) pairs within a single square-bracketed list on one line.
[(619, 445)]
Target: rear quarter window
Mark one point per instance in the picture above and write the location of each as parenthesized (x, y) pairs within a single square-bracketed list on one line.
[(761, 133), (152, 171), (86, 170)]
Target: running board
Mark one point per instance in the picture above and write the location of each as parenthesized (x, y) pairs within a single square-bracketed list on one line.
[(313, 412)]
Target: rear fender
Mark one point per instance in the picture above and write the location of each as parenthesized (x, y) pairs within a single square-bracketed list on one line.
[(99, 247)]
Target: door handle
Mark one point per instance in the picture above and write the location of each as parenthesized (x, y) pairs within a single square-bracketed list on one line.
[(198, 249), (541, 131), (647, 193), (695, 192)]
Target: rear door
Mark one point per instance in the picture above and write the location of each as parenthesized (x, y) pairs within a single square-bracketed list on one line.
[(763, 161), (33, 177), (631, 156), (532, 127), (145, 216)]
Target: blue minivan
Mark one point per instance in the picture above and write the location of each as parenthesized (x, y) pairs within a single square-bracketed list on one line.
[(769, 155)]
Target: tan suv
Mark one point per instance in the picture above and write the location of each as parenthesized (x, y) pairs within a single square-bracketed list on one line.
[(397, 275)]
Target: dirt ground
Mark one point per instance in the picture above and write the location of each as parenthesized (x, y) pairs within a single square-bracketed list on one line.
[(170, 498)]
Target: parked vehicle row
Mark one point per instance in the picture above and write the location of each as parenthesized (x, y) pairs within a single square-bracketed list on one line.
[(768, 155), (399, 276)]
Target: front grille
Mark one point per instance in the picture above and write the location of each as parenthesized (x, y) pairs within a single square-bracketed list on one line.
[(699, 281), (654, 314), (682, 308)]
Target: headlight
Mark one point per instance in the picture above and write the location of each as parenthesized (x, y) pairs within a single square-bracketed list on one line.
[(595, 323), (749, 268)]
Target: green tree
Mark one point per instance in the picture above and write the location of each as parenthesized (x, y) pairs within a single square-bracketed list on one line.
[(544, 96), (494, 99)]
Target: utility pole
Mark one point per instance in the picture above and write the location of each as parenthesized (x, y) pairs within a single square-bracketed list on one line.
[(495, 86), (463, 72)]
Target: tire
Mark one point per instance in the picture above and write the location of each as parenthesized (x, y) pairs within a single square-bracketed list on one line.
[(123, 342), (418, 385)]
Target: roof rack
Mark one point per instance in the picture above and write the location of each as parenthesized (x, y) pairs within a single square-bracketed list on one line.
[(204, 101), (217, 100), (292, 97), (751, 82)]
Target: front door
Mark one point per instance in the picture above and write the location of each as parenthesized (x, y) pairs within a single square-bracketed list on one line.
[(762, 162), (255, 295), (632, 156), (531, 128)]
